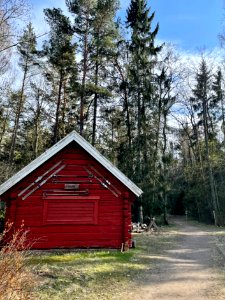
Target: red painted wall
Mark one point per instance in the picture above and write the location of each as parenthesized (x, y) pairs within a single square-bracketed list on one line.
[(56, 219)]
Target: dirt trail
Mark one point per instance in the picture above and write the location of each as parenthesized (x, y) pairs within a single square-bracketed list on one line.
[(185, 272)]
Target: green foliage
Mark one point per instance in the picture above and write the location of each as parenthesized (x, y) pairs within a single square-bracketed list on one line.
[(27, 47), (115, 85), (141, 90), (59, 49), (62, 69)]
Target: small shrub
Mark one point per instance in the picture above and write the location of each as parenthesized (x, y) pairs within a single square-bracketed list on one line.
[(16, 281)]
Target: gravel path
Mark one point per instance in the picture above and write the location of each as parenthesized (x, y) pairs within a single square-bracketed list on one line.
[(186, 271)]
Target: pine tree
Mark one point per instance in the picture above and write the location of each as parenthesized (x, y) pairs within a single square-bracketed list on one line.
[(95, 30), (60, 53), (83, 11), (103, 46)]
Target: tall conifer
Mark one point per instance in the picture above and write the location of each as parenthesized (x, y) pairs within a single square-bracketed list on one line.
[(60, 53), (143, 54)]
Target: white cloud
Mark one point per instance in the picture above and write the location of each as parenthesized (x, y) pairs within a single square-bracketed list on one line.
[(214, 57), (186, 66)]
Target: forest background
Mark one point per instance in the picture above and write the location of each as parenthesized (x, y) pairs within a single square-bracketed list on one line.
[(156, 114)]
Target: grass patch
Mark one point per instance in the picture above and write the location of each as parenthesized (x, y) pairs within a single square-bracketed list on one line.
[(85, 275), (97, 274)]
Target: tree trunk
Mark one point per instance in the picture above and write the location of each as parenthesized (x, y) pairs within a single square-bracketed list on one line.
[(18, 114), (64, 110), (4, 126), (155, 150), (95, 99), (56, 126), (83, 84), (165, 217), (223, 121), (37, 125), (209, 166), (126, 103), (138, 165)]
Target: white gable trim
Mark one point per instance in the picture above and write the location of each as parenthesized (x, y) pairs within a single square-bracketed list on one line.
[(73, 136)]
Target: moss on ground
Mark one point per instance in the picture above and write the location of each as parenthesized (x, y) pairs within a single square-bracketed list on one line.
[(96, 274), (89, 275)]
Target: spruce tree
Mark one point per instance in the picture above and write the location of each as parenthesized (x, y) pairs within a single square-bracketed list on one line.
[(143, 55), (203, 104)]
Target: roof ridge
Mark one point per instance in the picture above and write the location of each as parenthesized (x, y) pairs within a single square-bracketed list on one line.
[(72, 136)]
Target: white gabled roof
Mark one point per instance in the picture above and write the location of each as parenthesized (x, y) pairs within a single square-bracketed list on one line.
[(73, 136)]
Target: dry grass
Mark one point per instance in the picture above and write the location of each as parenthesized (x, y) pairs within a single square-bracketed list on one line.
[(86, 275), (92, 275), (105, 275), (16, 279)]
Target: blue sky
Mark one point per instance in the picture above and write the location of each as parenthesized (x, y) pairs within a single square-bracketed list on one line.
[(191, 24)]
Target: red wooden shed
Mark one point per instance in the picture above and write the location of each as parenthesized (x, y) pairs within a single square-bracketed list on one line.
[(71, 197)]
